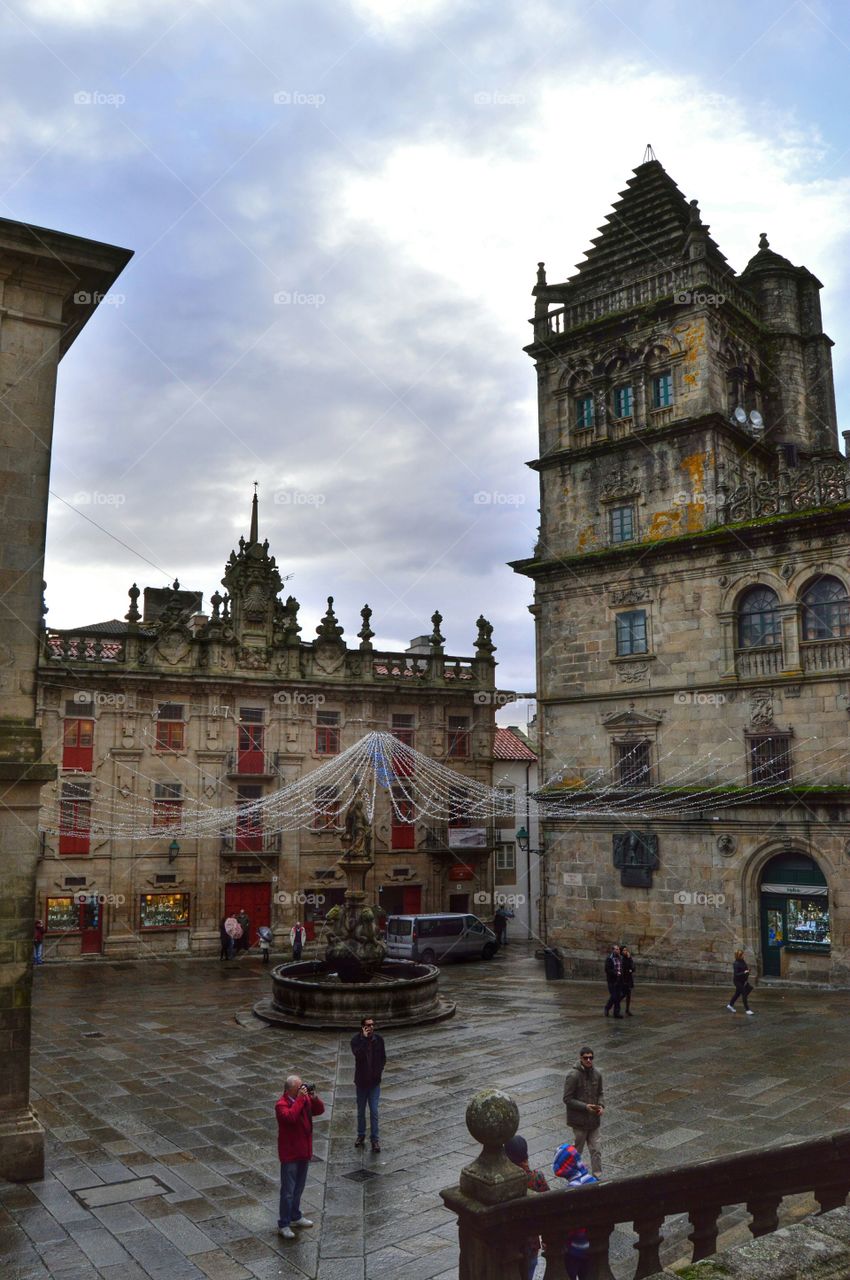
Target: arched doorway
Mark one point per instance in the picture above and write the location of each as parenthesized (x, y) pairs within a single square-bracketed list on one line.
[(794, 901)]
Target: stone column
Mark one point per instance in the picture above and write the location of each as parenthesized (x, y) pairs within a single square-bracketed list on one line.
[(49, 286), (492, 1118)]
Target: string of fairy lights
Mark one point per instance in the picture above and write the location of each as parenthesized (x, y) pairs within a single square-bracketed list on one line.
[(419, 788)]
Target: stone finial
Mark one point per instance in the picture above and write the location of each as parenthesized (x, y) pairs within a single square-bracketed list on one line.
[(437, 639), (694, 217), (44, 608), (329, 628), (216, 601), (541, 275), (484, 647), (764, 243), (492, 1118), (132, 614), (292, 629), (226, 607), (175, 586), (366, 633)]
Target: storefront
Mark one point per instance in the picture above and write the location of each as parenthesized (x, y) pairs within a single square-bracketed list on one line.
[(74, 916), (794, 901)]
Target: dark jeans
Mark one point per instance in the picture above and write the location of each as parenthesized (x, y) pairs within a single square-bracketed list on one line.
[(742, 992), (370, 1096), (293, 1175), (38, 953), (615, 995)]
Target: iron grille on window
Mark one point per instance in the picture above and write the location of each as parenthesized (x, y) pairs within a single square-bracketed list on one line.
[(770, 758), (633, 763)]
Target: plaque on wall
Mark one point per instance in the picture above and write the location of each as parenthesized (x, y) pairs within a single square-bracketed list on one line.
[(636, 857)]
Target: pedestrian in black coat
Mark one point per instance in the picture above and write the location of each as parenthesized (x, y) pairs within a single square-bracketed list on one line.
[(627, 977), (614, 977), (740, 976), (370, 1058)]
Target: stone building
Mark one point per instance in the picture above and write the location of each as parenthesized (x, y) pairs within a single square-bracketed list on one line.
[(516, 868), (172, 707), (691, 603), (50, 284)]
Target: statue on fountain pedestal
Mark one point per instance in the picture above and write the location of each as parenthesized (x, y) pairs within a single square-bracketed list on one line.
[(355, 950)]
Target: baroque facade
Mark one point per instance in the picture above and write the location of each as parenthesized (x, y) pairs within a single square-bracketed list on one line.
[(172, 706), (692, 603)]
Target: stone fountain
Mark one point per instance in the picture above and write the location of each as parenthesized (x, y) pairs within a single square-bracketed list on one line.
[(355, 976)]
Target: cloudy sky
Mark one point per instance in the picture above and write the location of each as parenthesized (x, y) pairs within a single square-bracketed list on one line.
[(336, 209)]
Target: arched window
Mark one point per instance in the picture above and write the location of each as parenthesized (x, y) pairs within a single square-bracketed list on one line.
[(758, 619), (826, 610)]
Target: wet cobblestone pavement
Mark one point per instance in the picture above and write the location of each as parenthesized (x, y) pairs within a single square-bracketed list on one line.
[(158, 1105)]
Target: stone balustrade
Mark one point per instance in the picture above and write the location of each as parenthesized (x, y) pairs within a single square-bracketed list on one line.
[(496, 1215), (756, 663), (825, 655)]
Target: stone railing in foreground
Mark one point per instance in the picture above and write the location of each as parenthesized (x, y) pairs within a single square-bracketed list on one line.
[(496, 1214)]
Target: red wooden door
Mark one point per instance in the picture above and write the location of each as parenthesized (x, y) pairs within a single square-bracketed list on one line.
[(403, 826), (256, 900), (412, 903), (251, 745), (78, 745), (74, 824), (91, 927)]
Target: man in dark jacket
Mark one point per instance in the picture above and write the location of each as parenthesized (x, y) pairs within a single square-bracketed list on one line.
[(370, 1058), (585, 1105), (294, 1110), (614, 977)]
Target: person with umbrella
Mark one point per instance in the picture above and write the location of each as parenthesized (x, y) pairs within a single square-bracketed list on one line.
[(265, 936), (233, 929)]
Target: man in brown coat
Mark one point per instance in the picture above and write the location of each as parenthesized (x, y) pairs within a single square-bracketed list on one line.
[(585, 1105)]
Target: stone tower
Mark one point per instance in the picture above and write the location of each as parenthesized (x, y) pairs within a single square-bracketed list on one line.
[(691, 597)]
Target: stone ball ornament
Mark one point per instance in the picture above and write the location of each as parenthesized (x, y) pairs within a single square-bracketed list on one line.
[(492, 1118)]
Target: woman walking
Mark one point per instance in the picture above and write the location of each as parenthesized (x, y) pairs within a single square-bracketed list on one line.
[(740, 976), (627, 977)]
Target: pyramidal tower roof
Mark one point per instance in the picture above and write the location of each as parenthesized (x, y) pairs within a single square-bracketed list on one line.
[(648, 224)]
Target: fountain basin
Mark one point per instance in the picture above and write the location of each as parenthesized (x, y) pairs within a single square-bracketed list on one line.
[(309, 994)]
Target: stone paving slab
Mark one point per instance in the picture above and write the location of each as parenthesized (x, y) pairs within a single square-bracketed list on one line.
[(177, 1090)]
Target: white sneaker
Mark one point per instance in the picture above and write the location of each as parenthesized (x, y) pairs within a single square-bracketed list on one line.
[(286, 1232), (731, 1008), (751, 1012), (303, 1222)]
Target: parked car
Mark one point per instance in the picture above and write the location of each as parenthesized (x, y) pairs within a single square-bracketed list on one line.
[(438, 937)]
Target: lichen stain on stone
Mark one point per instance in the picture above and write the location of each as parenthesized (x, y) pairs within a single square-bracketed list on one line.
[(587, 538), (664, 525)]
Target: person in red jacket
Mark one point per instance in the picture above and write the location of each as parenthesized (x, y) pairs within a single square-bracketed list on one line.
[(295, 1109)]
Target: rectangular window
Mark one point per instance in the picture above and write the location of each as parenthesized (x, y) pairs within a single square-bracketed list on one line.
[(403, 728), (770, 758), (505, 857), (252, 715), (63, 915), (506, 804), (164, 911), (74, 818), (458, 744), (623, 402), (808, 921), (662, 390), (326, 815), (584, 412), (622, 521), (402, 822), (631, 633), (170, 729), (78, 745), (81, 706), (327, 733), (167, 804), (633, 763)]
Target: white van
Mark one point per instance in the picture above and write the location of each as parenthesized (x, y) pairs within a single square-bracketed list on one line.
[(434, 938)]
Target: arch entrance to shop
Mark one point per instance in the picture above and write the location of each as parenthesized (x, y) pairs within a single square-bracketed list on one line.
[(794, 901)]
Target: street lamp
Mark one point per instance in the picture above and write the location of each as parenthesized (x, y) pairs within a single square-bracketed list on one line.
[(524, 842), (173, 850)]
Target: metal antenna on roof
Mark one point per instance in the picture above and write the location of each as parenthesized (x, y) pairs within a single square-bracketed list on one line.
[(649, 154)]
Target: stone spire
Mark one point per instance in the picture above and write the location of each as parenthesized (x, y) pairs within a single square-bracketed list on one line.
[(254, 535)]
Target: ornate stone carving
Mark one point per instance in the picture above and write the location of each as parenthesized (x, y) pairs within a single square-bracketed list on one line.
[(636, 857), (174, 645), (726, 845), (627, 595), (761, 707), (253, 659), (366, 634), (620, 486), (633, 672), (484, 647), (821, 483), (329, 629), (787, 572)]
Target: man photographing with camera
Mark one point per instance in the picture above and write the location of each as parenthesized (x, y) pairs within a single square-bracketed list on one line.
[(370, 1058), (295, 1109)]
